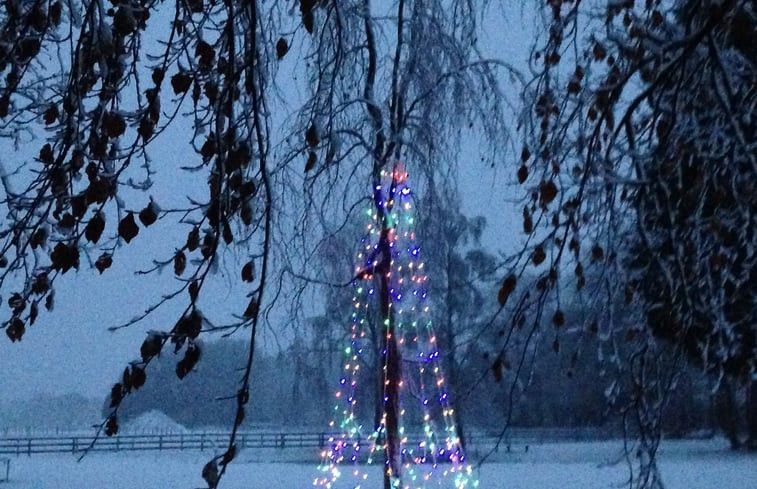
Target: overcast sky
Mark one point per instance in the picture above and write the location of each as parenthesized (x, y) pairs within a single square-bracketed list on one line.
[(70, 350)]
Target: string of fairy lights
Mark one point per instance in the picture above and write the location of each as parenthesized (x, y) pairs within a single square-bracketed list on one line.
[(433, 456)]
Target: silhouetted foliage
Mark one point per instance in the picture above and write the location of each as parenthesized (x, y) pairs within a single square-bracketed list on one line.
[(640, 168)]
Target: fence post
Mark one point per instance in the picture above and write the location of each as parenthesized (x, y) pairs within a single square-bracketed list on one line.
[(202, 441), (160, 442), (29, 447)]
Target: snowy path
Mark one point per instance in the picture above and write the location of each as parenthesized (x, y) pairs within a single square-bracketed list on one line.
[(685, 465)]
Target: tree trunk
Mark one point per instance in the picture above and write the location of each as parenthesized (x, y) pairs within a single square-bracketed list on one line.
[(726, 414), (377, 368), (391, 366), (751, 414)]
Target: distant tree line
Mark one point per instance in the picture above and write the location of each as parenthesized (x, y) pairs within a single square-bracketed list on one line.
[(296, 390)]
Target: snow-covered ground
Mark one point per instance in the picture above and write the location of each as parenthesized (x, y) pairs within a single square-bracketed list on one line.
[(684, 464)]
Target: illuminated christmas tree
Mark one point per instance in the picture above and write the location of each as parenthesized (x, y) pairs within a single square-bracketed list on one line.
[(413, 438)]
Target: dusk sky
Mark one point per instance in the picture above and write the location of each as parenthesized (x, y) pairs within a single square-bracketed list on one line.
[(71, 349)]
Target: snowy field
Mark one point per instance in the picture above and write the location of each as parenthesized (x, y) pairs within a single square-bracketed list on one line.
[(685, 465)]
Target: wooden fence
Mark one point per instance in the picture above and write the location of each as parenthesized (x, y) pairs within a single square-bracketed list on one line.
[(275, 440), (148, 442)]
